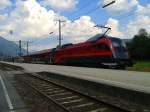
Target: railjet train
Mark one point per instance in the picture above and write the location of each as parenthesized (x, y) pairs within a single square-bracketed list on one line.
[(100, 50)]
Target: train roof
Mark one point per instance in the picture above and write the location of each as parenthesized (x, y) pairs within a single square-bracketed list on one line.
[(98, 36), (39, 52), (94, 38)]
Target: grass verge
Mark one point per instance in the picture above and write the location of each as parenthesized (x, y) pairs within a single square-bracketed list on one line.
[(141, 66)]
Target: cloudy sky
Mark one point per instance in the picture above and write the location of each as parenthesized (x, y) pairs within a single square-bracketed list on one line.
[(33, 20)]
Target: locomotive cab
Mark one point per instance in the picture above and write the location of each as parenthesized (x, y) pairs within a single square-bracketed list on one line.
[(120, 53)]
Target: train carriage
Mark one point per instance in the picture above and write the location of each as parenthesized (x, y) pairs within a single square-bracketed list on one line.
[(98, 50)]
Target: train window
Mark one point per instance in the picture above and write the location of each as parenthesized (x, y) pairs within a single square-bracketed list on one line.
[(118, 45), (103, 47)]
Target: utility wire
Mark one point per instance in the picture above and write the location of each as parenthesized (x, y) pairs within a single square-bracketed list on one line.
[(82, 8), (89, 12), (106, 5), (92, 10), (98, 7), (127, 16)]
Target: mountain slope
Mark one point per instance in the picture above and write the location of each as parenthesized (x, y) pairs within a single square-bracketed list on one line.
[(8, 48)]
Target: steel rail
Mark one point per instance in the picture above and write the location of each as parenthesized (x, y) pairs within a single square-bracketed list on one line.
[(78, 92), (46, 96)]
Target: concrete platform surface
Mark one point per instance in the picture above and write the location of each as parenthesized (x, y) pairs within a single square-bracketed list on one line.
[(10, 100), (138, 81)]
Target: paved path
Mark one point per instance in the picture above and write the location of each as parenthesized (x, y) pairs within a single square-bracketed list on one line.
[(139, 81)]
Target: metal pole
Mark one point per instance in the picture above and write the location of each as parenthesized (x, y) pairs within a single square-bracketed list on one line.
[(60, 38), (59, 33), (27, 47), (20, 48)]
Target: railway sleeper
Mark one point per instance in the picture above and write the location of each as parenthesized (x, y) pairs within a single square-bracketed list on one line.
[(55, 92), (67, 98), (45, 86), (78, 103), (60, 94), (90, 108), (100, 110), (48, 89), (72, 101)]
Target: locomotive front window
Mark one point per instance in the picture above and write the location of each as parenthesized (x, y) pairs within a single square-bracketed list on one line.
[(124, 46), (118, 45)]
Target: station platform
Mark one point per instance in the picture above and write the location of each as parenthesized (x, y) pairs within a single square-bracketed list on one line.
[(128, 85), (138, 81), (10, 101)]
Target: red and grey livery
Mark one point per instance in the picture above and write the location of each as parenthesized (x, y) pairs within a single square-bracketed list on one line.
[(98, 50)]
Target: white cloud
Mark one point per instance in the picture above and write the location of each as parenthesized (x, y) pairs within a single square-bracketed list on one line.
[(135, 25), (81, 29), (4, 27), (60, 4), (121, 5), (114, 25), (141, 10), (30, 20), (3, 17), (142, 20), (4, 4)]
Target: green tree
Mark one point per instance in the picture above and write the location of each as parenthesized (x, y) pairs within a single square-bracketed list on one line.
[(140, 45)]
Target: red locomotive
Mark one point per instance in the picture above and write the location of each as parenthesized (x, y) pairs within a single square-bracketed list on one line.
[(98, 50)]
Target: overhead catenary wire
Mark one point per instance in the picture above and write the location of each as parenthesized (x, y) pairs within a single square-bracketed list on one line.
[(98, 7), (106, 5), (126, 16), (81, 8), (90, 11)]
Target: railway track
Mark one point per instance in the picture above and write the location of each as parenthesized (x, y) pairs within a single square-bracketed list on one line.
[(67, 99)]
